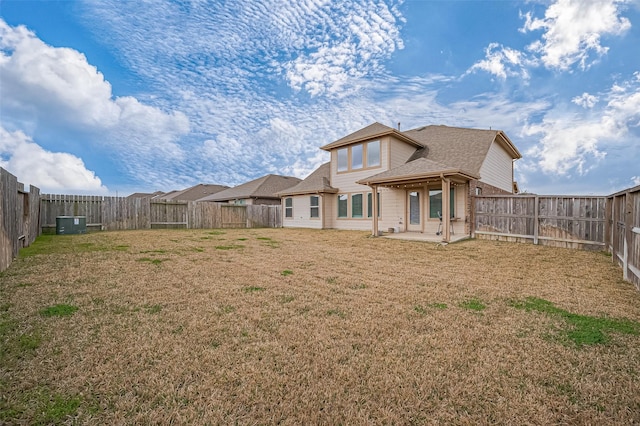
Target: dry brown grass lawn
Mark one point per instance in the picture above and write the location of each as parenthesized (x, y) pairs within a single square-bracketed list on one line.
[(266, 326)]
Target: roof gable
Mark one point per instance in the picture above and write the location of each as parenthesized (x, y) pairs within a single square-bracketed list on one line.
[(195, 192), (318, 181), (263, 187), (460, 148), (372, 131)]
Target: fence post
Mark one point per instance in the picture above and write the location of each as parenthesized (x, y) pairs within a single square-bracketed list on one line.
[(536, 219), (628, 232)]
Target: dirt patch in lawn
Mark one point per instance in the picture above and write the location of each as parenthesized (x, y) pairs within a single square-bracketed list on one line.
[(267, 326)]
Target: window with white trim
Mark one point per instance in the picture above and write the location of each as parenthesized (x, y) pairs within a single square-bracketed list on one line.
[(343, 208), (288, 207), (314, 206), (343, 159), (356, 206), (358, 156)]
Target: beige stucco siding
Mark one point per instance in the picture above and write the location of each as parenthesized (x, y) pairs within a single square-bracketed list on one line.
[(398, 151), (301, 213), (393, 209), (497, 168)]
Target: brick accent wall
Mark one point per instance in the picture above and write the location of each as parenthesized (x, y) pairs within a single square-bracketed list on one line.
[(485, 189)]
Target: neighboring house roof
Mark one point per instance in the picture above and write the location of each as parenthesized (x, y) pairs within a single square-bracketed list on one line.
[(317, 182), (145, 194), (372, 131), (459, 148), (194, 193), (265, 187)]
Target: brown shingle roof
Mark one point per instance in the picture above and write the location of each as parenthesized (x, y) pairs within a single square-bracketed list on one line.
[(194, 193), (417, 169), (372, 131), (146, 194), (459, 148), (317, 181), (264, 187)]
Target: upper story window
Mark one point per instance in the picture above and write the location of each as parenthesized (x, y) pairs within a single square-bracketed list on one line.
[(356, 157), (373, 154), (343, 159), (359, 156)]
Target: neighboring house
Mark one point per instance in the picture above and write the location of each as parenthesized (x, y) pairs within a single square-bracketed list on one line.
[(146, 194), (193, 193), (411, 178), (263, 190)]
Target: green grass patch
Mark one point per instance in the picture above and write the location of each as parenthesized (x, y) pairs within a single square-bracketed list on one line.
[(60, 310), (422, 310), (62, 244), (29, 342), (286, 298), (474, 304), (336, 312), (226, 309), (286, 272), (153, 309), (580, 329), (216, 233), (153, 251), (269, 241), (252, 289), (419, 309)]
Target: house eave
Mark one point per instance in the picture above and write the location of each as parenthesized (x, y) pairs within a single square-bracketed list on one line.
[(393, 132), (419, 177), (308, 192)]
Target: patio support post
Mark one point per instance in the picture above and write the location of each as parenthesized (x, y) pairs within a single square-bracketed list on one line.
[(374, 209), (446, 210)]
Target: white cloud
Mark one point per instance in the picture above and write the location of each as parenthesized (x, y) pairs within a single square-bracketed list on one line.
[(573, 31), (361, 39), (572, 141), (635, 180), (503, 62), (585, 100), (52, 172), (55, 88)]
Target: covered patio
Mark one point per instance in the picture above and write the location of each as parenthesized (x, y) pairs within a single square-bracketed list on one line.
[(420, 175), (421, 236)]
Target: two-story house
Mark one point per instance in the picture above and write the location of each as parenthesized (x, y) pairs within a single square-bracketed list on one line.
[(419, 180)]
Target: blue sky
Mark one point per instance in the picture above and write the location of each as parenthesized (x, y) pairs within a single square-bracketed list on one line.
[(106, 97)]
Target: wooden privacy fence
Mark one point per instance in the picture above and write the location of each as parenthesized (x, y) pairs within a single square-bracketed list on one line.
[(118, 213), (19, 213), (560, 221), (623, 232)]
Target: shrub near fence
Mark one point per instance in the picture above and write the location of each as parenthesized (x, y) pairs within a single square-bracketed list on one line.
[(19, 214), (118, 213)]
